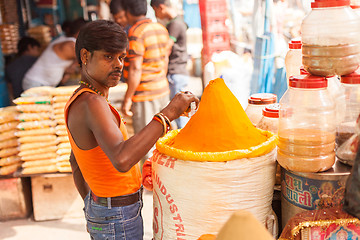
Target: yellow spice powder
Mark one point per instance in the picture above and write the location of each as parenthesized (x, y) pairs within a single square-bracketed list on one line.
[(219, 125)]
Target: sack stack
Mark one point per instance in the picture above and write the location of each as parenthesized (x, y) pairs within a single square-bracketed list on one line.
[(9, 37), (9, 161), (36, 131), (41, 33), (60, 96)]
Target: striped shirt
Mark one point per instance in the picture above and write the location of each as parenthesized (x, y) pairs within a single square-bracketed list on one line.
[(149, 40)]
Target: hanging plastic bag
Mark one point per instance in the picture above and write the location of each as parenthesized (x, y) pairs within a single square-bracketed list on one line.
[(352, 193)]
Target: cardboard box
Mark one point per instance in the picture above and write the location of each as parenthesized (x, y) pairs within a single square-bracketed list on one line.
[(15, 198), (55, 197)]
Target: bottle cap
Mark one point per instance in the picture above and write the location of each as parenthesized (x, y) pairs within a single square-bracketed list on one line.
[(352, 78), (271, 111), (295, 43), (330, 3), (262, 98), (308, 81)]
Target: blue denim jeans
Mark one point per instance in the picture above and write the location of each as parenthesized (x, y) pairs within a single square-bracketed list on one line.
[(177, 83), (110, 223)]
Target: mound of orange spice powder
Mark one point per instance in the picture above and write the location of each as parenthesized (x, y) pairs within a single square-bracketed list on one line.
[(220, 124)]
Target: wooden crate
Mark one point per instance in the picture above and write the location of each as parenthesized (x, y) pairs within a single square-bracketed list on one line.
[(55, 197), (15, 198)]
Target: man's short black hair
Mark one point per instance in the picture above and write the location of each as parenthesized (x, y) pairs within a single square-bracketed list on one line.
[(101, 35), (116, 6), (135, 7), (156, 3), (25, 42)]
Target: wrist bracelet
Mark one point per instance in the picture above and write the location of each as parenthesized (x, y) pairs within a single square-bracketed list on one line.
[(161, 120), (166, 118)]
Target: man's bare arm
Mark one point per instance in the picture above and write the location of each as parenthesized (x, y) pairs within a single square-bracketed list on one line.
[(79, 180)]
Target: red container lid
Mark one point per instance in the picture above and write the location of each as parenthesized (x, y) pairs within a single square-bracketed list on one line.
[(330, 3), (295, 43), (271, 111), (308, 81), (352, 78), (303, 71), (355, 6), (262, 98)]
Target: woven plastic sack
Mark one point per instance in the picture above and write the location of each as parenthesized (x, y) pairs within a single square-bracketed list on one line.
[(39, 169), (33, 100), (63, 158), (39, 150), (9, 143), (7, 152), (64, 151), (37, 139), (26, 117), (49, 155), (60, 121), (255, 151), (9, 160), (9, 169), (35, 145), (59, 111), (61, 98), (36, 124), (61, 130), (38, 163), (35, 132), (64, 146), (38, 91), (8, 126), (64, 90), (193, 197), (8, 114), (34, 108), (59, 105), (63, 139), (7, 135)]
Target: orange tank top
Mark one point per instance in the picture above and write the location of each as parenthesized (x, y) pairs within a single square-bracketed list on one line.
[(99, 173)]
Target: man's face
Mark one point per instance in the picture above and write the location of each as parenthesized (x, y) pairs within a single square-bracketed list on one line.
[(158, 12), (120, 18), (33, 51), (106, 67)]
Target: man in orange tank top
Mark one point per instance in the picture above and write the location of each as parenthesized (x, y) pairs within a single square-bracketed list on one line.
[(104, 161)]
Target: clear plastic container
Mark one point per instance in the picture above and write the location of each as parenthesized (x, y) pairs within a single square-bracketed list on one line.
[(350, 102), (307, 125), (335, 91), (330, 36), (356, 7), (270, 118), (256, 104), (293, 59)]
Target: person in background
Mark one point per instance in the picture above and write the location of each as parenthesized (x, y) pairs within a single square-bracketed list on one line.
[(118, 13), (145, 66), (177, 74), (104, 160), (28, 52), (55, 64)]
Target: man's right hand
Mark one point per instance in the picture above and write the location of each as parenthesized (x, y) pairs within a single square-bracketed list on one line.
[(126, 107), (179, 104)]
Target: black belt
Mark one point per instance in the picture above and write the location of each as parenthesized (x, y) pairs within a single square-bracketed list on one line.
[(119, 201)]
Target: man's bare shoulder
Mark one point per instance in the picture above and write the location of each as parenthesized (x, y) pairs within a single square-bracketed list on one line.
[(88, 101)]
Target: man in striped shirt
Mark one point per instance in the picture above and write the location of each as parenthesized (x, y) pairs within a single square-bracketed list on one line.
[(145, 66)]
